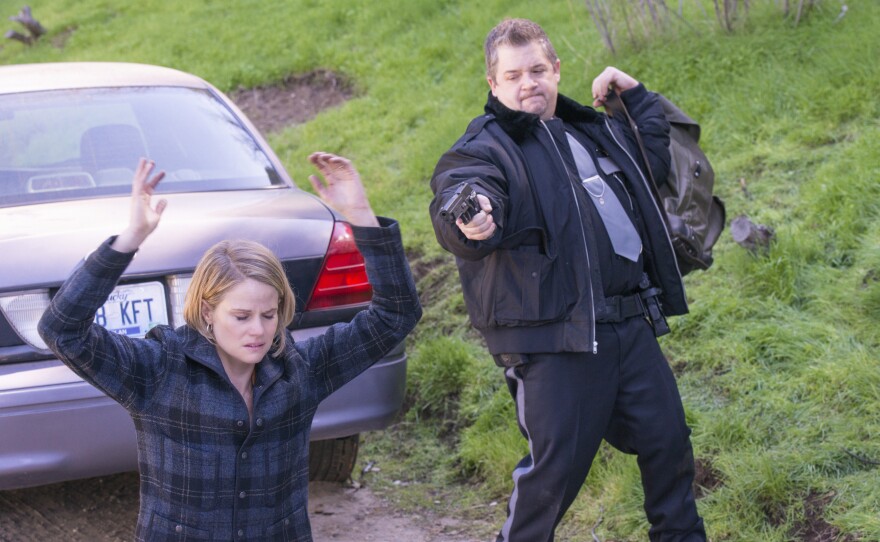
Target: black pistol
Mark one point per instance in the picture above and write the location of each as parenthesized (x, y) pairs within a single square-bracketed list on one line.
[(463, 204)]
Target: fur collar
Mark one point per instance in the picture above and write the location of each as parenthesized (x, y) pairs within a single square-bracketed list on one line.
[(518, 124)]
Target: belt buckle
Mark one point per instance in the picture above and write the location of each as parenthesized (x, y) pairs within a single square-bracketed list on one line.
[(612, 309)]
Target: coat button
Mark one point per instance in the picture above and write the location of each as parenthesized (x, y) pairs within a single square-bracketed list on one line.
[(244, 455), (242, 495), (286, 521), (259, 422), (240, 533), (240, 423), (178, 528)]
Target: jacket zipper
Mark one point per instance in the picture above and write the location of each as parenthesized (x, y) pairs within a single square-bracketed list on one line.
[(586, 250), (650, 192)]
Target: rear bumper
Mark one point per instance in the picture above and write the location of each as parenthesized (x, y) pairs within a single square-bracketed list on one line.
[(55, 427), (367, 403)]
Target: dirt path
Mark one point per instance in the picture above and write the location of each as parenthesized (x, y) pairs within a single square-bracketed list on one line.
[(105, 510), (345, 514)]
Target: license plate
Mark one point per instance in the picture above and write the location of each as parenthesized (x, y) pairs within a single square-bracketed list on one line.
[(133, 309)]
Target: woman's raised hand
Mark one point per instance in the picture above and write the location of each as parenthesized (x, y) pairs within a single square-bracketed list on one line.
[(143, 216), (341, 188)]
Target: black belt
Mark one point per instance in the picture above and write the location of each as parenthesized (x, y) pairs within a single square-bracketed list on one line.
[(619, 308)]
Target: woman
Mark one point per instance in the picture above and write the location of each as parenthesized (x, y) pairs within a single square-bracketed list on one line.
[(223, 405)]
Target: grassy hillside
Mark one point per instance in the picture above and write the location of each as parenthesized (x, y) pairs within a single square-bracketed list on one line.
[(777, 360)]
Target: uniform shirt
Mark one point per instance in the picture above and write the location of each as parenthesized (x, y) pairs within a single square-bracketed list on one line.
[(619, 275)]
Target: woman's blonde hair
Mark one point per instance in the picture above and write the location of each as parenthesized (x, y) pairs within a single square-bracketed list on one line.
[(227, 264)]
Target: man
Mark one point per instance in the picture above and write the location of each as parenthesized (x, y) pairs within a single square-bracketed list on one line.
[(558, 270)]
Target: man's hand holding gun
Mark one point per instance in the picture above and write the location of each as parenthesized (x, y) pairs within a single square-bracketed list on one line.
[(471, 212)]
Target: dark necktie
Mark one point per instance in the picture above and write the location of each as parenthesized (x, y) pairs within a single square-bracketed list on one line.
[(624, 237)]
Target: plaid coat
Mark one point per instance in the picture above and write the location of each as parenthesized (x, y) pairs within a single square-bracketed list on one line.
[(207, 472)]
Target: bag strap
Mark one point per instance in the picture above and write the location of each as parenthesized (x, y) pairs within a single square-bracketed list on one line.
[(614, 105)]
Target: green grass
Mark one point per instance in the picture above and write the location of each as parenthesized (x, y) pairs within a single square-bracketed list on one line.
[(777, 360)]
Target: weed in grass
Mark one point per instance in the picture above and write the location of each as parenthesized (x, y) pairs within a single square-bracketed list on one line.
[(438, 371), (855, 507), (871, 294)]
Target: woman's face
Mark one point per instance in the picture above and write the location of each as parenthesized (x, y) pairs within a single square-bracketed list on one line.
[(244, 323)]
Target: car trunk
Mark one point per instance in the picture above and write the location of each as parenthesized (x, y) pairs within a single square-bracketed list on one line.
[(41, 244)]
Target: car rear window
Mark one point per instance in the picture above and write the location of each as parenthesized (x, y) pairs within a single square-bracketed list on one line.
[(83, 143)]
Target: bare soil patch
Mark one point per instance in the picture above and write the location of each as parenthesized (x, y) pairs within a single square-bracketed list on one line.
[(706, 477), (346, 514), (814, 527), (294, 100)]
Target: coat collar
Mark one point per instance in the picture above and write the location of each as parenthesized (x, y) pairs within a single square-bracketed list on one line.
[(201, 350), (518, 124)]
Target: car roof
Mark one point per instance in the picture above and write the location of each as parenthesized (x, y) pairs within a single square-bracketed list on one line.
[(67, 75)]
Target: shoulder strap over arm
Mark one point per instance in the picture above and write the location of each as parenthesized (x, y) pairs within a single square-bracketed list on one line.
[(614, 106)]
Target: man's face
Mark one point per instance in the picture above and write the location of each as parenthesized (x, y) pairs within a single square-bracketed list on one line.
[(526, 80)]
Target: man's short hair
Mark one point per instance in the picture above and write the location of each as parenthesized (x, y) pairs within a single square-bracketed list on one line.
[(516, 33)]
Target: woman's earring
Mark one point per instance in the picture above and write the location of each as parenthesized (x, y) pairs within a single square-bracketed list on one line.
[(210, 329)]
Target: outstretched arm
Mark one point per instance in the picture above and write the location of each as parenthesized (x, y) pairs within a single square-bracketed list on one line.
[(473, 162), (341, 188), (144, 217)]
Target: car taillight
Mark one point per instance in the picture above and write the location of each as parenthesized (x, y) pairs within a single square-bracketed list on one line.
[(23, 312), (177, 286), (343, 279)]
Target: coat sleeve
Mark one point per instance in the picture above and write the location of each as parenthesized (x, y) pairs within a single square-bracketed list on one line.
[(475, 163), (648, 115), (345, 350), (124, 368)]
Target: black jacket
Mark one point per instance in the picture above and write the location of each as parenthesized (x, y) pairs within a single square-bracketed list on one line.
[(535, 286)]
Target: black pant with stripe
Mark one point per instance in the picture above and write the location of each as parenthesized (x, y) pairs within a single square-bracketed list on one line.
[(568, 402)]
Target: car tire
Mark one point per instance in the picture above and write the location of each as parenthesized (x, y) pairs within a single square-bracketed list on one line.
[(333, 460)]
